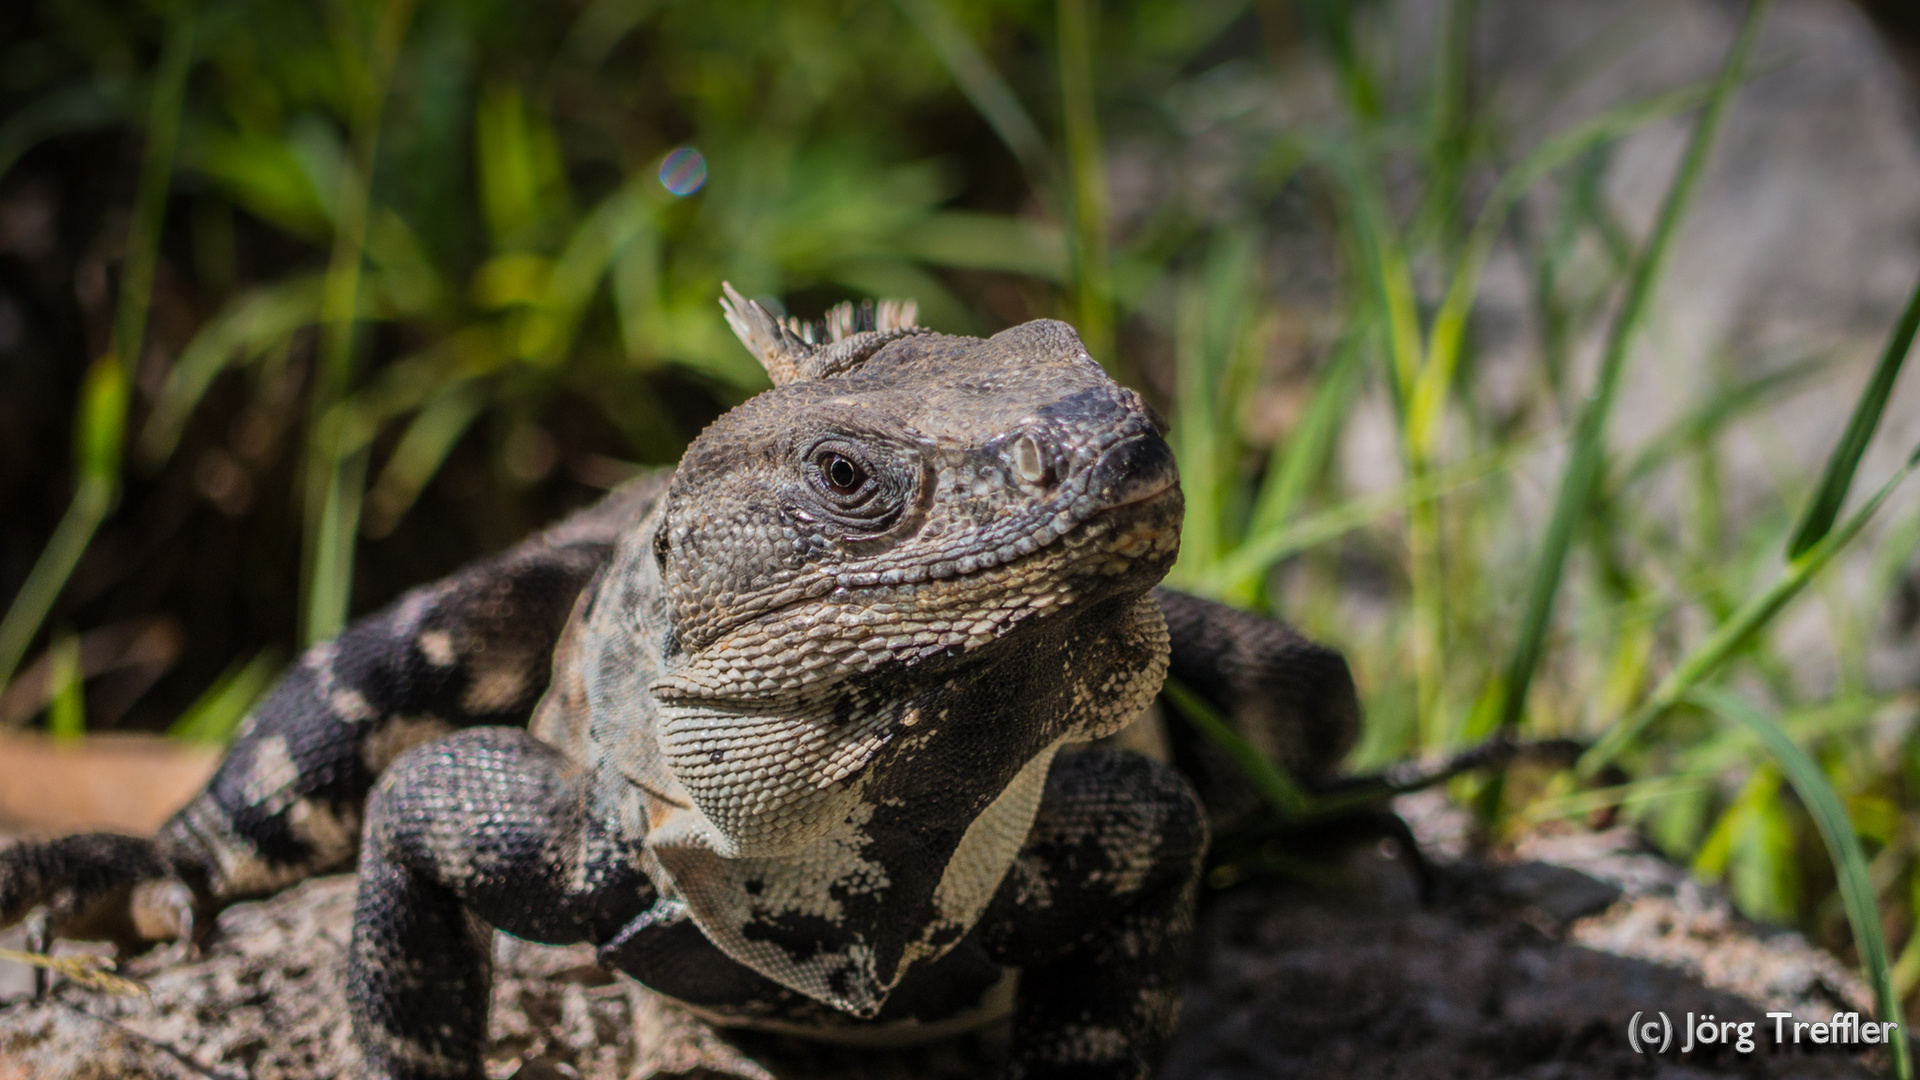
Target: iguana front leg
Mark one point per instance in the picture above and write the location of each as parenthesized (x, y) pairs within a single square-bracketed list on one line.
[(286, 802), (492, 824), (1097, 913)]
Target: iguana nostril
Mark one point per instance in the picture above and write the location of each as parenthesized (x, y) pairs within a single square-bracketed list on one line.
[(1029, 461)]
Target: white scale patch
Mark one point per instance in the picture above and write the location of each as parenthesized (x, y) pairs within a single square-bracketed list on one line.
[(396, 737), (800, 886), (343, 701), (270, 786), (351, 706), (270, 773), (331, 836), (241, 871), (437, 647), (986, 850), (495, 688)]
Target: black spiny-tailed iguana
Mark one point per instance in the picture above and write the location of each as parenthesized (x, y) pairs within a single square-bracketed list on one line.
[(798, 715)]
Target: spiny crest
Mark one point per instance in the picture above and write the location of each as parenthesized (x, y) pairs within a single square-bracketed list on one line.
[(792, 350)]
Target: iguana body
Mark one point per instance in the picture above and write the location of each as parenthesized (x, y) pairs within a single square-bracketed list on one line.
[(808, 759)]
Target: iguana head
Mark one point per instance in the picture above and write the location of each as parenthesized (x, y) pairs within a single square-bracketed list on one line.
[(903, 496)]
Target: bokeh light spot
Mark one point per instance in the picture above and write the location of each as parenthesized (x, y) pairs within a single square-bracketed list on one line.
[(683, 171)]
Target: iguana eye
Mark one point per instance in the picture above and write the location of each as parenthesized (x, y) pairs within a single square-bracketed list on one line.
[(856, 488), (843, 475)]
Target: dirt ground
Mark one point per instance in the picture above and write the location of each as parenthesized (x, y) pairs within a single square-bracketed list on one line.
[(1528, 965)]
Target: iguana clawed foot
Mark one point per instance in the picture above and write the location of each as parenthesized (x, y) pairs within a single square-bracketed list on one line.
[(97, 887)]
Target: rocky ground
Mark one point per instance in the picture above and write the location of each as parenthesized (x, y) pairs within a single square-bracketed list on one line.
[(1528, 965)]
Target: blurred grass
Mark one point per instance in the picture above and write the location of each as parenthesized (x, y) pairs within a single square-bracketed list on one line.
[(1843, 847), (217, 714), (100, 429), (1589, 450), (378, 257)]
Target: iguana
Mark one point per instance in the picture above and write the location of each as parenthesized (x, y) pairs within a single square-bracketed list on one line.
[(794, 735)]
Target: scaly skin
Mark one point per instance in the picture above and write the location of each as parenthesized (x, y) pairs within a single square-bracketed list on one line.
[(808, 756)]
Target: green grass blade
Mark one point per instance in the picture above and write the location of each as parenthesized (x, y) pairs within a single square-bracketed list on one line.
[(1906, 969), (67, 704), (988, 93), (1297, 460), (1588, 454), (1212, 369), (1285, 795), (101, 431), (972, 240), (75, 108), (336, 473), (1332, 21), (1582, 804), (1450, 127), (215, 714), (250, 323), (1843, 848), (1715, 754), (604, 24), (422, 450), (1824, 507), (150, 198), (522, 181), (1086, 182), (1195, 437), (1392, 281), (1261, 552), (1737, 629), (1719, 410), (100, 428), (1448, 334), (103, 410), (50, 572), (335, 530), (602, 236)]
